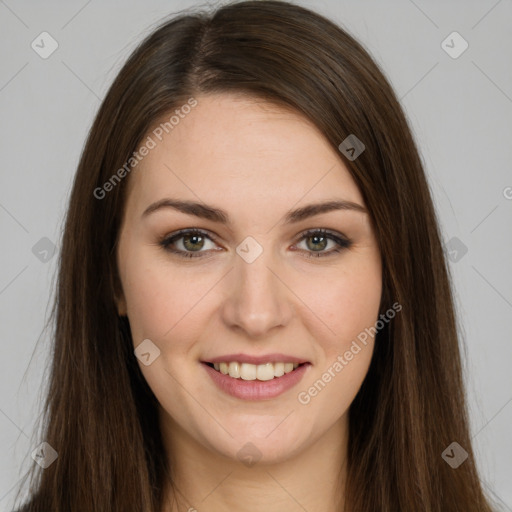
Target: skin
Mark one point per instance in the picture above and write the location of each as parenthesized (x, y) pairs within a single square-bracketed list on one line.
[(256, 161)]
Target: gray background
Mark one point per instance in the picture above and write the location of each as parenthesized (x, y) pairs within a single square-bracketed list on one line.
[(459, 109)]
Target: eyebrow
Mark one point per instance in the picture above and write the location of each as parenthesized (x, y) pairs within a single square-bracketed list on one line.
[(217, 215)]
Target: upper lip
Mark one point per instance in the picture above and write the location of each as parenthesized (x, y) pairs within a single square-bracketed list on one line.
[(267, 358)]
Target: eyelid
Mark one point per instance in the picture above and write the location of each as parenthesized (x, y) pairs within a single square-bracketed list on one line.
[(326, 232)]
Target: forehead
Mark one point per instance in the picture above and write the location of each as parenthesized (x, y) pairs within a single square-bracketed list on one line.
[(242, 151)]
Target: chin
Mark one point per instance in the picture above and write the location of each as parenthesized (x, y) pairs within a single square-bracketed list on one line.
[(262, 442)]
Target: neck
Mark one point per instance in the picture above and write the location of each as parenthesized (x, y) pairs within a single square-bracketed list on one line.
[(311, 480)]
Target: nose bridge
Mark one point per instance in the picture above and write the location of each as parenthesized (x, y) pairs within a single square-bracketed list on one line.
[(257, 301)]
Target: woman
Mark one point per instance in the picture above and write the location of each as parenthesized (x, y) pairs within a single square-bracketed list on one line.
[(254, 310)]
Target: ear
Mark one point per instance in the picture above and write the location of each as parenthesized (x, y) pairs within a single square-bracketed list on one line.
[(121, 305), (119, 297)]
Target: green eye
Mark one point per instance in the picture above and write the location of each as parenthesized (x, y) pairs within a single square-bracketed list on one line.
[(191, 240), (189, 243), (318, 240)]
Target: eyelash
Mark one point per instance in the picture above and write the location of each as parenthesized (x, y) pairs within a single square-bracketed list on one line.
[(342, 243)]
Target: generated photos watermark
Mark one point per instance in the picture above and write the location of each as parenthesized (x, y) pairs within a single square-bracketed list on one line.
[(305, 397), (150, 143)]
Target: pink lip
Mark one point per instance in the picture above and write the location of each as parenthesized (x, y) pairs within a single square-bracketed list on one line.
[(255, 389), (267, 358)]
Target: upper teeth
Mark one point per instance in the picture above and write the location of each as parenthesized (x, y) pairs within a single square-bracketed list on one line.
[(248, 371)]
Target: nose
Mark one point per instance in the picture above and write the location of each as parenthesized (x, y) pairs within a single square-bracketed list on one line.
[(258, 300)]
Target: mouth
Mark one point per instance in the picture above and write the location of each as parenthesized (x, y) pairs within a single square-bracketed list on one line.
[(250, 381), (261, 372)]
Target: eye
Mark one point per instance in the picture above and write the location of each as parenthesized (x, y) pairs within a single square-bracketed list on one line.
[(188, 243), (193, 243), (317, 240)]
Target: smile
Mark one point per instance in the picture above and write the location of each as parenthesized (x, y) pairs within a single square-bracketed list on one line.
[(247, 371), (256, 380)]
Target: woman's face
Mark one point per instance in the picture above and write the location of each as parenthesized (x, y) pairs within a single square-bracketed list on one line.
[(250, 288)]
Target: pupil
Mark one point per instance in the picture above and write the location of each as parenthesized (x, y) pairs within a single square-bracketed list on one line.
[(318, 240), (194, 243)]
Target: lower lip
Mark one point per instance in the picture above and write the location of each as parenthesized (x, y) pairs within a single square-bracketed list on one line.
[(256, 389)]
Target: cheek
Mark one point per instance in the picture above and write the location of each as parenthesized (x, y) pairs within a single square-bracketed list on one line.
[(328, 395), (164, 305), (349, 306), (161, 300), (346, 304)]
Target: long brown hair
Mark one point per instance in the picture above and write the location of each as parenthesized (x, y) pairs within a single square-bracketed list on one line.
[(100, 415)]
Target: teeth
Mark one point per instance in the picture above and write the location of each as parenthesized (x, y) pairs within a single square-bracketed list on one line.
[(278, 369), (234, 370), (246, 371), (265, 371)]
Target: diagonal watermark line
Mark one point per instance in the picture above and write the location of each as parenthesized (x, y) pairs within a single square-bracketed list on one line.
[(404, 95), (12, 280), (424, 14), (176, 491), (504, 298), (11, 489), (21, 430), (73, 17), (13, 217), (493, 210), (13, 13), (15, 75), (304, 195), (486, 14), (81, 80), (492, 81), (487, 423), (199, 403), (216, 487), (492, 492), (282, 421), (184, 183), (213, 286), (302, 301), (291, 496)]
